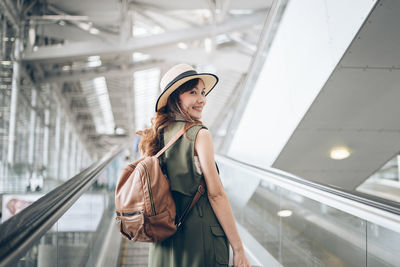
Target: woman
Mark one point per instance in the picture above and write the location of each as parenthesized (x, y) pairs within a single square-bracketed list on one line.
[(200, 241)]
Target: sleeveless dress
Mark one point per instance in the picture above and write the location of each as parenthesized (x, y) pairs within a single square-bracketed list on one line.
[(200, 241)]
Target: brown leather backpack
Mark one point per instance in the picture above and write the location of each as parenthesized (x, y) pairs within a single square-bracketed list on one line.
[(143, 201)]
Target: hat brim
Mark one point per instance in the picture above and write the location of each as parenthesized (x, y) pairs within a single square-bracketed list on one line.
[(210, 80)]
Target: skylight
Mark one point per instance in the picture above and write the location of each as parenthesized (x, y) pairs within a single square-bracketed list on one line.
[(98, 100), (146, 84)]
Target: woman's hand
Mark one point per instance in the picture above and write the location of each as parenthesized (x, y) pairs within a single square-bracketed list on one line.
[(240, 259)]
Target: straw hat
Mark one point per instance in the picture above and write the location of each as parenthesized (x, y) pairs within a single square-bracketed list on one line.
[(178, 75)]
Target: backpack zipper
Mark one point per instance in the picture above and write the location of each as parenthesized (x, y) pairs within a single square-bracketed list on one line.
[(149, 187)]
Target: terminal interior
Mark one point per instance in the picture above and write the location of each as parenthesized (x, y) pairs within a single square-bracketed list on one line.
[(305, 123)]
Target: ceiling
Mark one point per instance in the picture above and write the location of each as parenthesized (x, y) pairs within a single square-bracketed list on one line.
[(357, 108), (92, 46)]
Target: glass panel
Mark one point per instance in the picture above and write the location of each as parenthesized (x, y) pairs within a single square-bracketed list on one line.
[(41, 141), (314, 234), (385, 182), (43, 253), (383, 246), (78, 236)]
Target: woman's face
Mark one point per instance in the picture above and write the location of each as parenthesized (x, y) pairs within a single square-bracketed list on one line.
[(194, 100)]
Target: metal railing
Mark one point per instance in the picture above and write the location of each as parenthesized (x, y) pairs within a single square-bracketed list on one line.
[(19, 233)]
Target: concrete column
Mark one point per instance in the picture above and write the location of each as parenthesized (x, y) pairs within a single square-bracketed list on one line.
[(398, 168), (72, 157), (65, 152), (57, 144), (78, 163), (46, 136), (15, 87), (3, 153), (32, 127), (2, 40)]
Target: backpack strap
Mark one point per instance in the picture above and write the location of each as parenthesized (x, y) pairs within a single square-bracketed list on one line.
[(175, 138), (200, 191)]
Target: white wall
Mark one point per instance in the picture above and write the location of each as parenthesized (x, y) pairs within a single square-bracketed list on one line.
[(311, 39)]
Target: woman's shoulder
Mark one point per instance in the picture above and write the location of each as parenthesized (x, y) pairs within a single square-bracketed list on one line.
[(194, 130), (203, 135), (204, 144)]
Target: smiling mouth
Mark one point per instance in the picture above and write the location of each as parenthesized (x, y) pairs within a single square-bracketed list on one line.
[(197, 109)]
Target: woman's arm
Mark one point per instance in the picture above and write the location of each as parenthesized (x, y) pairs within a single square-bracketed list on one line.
[(216, 195)]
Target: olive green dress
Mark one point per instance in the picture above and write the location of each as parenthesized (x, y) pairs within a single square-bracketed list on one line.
[(200, 241)]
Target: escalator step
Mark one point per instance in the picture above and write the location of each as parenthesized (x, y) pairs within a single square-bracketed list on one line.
[(134, 254)]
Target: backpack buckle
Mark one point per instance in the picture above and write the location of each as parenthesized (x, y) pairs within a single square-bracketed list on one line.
[(201, 189)]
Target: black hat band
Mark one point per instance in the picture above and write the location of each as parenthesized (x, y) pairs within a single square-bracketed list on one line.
[(179, 77)]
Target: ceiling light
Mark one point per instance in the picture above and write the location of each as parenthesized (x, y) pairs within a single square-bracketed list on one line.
[(208, 44), (119, 131), (285, 213), (339, 153), (206, 13), (32, 34), (84, 26), (240, 11), (60, 17), (182, 45), (94, 61), (138, 57), (93, 58), (5, 62), (94, 31), (156, 30), (137, 31)]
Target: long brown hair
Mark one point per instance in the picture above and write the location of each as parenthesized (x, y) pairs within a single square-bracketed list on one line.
[(151, 138)]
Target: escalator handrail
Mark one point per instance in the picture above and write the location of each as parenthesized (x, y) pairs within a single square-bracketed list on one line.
[(376, 202), (19, 233)]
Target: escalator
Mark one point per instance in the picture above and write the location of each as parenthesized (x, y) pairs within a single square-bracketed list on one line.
[(302, 223), (133, 254), (283, 220)]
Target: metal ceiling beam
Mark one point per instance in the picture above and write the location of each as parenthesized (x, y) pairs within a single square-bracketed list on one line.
[(77, 23), (243, 43), (69, 32), (221, 59), (111, 71), (194, 55), (85, 49), (9, 11), (73, 94), (144, 15), (85, 110), (159, 13), (29, 7)]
